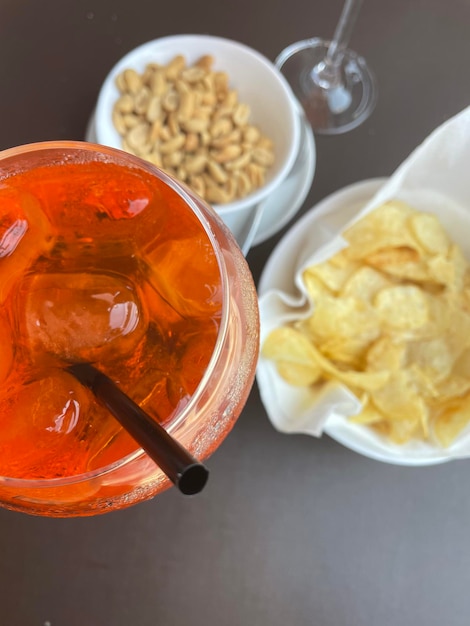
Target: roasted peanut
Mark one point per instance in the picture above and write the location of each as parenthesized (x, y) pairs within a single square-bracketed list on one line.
[(175, 66), (141, 101), (191, 143), (173, 159), (181, 173), (230, 100), (154, 110), (125, 104), (193, 74), (196, 125), (205, 138), (119, 123), (233, 136), (241, 114), (231, 187), (155, 158), (120, 83), (173, 123), (155, 131), (216, 194), (221, 85), (175, 143), (158, 83), (256, 174), (251, 134), (217, 172), (220, 127), (228, 153), (187, 105), (240, 163), (197, 185), (244, 185), (165, 133), (262, 156), (170, 101), (206, 62), (138, 135), (132, 80), (131, 120), (149, 71), (196, 164)]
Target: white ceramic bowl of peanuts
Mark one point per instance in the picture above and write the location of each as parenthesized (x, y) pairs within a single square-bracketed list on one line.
[(212, 112)]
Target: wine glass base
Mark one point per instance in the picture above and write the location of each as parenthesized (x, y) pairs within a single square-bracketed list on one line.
[(340, 107)]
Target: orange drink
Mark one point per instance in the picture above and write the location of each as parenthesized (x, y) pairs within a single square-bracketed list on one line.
[(106, 260)]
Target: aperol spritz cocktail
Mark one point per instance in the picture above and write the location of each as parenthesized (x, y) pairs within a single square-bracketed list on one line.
[(106, 260)]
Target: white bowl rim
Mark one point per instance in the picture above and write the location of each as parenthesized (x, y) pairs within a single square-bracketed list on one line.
[(256, 196)]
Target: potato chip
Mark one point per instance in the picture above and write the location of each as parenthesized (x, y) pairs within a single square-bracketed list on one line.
[(462, 364), (465, 299), (342, 317), (434, 357), (345, 351), (294, 356), (402, 262), (441, 311), (402, 307), (458, 329), (362, 381), (369, 415), (364, 283), (386, 353), (458, 383), (453, 387), (315, 287), (400, 401), (451, 421), (401, 432), (386, 226), (334, 272), (429, 232), (424, 385), (391, 256), (449, 270), (297, 374)]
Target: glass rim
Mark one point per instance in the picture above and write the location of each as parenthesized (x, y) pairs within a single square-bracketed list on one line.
[(184, 193)]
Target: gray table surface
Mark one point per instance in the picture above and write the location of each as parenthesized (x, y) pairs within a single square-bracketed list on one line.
[(290, 530)]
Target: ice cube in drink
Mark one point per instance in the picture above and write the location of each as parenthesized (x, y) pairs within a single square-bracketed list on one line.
[(80, 316), (25, 234)]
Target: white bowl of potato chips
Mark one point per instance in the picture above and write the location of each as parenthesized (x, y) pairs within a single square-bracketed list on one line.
[(212, 112), (365, 312)]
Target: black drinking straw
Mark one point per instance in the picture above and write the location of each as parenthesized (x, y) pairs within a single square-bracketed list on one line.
[(182, 468)]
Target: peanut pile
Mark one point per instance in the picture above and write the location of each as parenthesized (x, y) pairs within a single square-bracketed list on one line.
[(188, 121)]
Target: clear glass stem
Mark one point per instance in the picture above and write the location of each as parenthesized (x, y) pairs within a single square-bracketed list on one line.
[(326, 74), (343, 30)]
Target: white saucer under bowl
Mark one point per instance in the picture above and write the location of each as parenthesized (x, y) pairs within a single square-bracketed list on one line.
[(287, 199)]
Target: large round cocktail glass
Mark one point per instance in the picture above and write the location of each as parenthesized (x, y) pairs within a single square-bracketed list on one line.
[(106, 259)]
